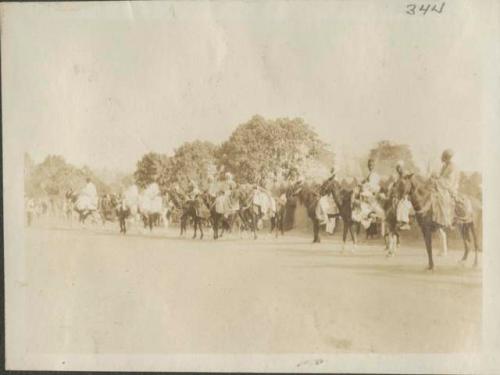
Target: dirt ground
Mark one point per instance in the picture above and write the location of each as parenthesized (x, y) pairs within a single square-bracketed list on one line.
[(92, 290)]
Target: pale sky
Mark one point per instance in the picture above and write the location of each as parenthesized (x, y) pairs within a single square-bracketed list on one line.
[(102, 84)]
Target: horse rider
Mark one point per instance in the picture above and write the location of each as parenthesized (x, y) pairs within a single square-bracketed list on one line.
[(370, 187), (193, 190), (90, 192), (262, 198), (328, 207), (212, 187), (445, 191), (444, 194), (372, 180), (403, 206), (177, 195)]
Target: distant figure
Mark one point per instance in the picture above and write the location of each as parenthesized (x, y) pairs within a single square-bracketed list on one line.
[(90, 192), (30, 210), (212, 188), (404, 205)]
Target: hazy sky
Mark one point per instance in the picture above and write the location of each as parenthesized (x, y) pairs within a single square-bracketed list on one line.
[(103, 84)]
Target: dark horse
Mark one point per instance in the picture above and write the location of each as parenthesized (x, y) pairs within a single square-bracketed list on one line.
[(195, 210), (220, 220), (343, 200), (72, 199), (419, 192), (249, 213), (277, 221), (309, 197), (180, 202)]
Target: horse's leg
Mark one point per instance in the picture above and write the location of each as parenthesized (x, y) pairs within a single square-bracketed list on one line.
[(386, 237), (195, 224), (427, 232), (353, 233), (316, 231), (464, 233), (444, 241), (253, 219), (201, 228), (215, 228), (183, 224), (345, 229), (474, 239)]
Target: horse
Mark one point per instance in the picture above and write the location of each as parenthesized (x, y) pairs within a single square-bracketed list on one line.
[(344, 200), (277, 220), (220, 218), (76, 202), (309, 197), (197, 210), (419, 192), (249, 212), (106, 207), (180, 203)]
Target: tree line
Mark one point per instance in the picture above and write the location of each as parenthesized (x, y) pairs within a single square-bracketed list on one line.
[(257, 150)]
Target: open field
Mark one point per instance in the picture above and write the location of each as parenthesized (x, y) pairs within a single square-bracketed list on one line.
[(94, 291)]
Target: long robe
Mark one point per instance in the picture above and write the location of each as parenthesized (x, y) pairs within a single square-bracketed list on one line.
[(444, 194)]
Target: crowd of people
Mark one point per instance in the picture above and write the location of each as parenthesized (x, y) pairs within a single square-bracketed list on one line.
[(266, 195)]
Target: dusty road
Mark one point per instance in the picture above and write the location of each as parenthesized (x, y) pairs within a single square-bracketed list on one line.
[(94, 290)]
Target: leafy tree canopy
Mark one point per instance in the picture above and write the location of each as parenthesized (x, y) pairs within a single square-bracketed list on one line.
[(261, 148), (386, 154)]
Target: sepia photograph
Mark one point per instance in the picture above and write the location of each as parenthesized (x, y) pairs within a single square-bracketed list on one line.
[(250, 186)]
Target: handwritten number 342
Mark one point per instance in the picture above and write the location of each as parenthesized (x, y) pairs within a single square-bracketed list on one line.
[(412, 9)]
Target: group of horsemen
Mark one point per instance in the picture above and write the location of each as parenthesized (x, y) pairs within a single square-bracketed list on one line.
[(365, 199)]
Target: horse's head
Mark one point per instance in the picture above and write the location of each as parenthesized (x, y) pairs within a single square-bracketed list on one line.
[(295, 190), (415, 187)]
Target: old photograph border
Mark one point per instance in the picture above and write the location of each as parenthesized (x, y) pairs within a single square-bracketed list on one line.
[(13, 266)]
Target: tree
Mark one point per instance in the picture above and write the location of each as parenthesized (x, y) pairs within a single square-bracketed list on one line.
[(386, 155), (148, 169), (194, 161), (261, 148), (54, 176), (191, 161)]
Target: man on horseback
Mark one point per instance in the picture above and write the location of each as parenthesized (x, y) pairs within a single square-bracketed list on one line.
[(88, 200), (369, 208), (327, 208), (212, 188), (445, 191)]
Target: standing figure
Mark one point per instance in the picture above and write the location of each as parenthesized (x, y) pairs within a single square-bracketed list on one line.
[(403, 207), (370, 189)]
